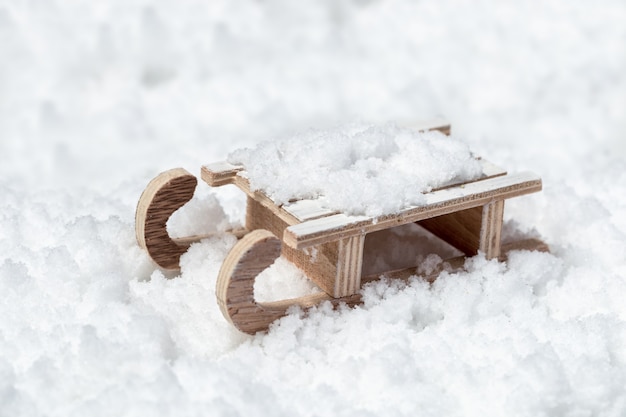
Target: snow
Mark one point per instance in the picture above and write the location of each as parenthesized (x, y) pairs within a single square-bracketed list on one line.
[(97, 98), (370, 170)]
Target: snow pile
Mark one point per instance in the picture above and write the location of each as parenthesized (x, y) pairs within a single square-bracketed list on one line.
[(97, 98), (371, 170)]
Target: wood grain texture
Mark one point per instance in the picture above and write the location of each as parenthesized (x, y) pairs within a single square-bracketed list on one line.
[(491, 228), (259, 216), (471, 230), (461, 229), (164, 195), (349, 266), (235, 281), (319, 263)]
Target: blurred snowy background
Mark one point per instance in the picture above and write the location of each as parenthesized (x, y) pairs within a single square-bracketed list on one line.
[(96, 98)]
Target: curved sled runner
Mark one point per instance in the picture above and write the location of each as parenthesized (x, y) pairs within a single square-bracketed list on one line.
[(326, 245), (165, 194)]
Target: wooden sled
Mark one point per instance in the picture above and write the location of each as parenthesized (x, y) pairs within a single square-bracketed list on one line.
[(326, 245)]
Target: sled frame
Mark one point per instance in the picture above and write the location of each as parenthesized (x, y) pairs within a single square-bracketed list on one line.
[(328, 245)]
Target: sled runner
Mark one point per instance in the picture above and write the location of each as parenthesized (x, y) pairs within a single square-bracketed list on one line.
[(327, 245)]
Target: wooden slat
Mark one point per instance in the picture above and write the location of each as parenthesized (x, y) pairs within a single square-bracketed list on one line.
[(220, 173), (304, 210), (437, 203)]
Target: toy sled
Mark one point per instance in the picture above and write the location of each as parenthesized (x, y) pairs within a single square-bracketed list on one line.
[(325, 244)]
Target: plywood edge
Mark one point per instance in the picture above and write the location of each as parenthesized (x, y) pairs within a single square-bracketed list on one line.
[(219, 173)]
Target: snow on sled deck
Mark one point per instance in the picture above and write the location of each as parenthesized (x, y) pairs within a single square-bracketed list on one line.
[(327, 245)]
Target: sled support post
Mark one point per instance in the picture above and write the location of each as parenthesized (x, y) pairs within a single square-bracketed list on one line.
[(349, 266), (491, 228)]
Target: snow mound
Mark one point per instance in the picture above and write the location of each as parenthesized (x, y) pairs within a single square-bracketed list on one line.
[(371, 170)]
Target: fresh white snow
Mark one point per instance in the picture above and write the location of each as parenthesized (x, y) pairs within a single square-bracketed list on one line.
[(96, 98), (371, 170)]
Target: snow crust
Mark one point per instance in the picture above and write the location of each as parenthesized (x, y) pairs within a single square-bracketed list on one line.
[(96, 98), (371, 170)]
